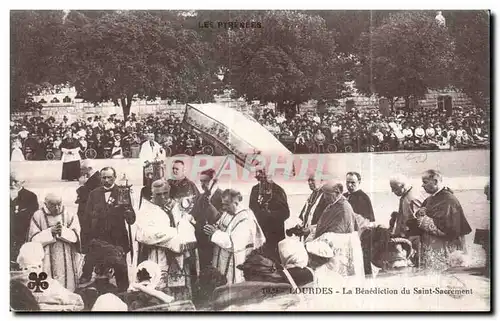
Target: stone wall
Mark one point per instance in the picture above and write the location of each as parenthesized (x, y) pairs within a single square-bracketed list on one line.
[(81, 110), (429, 102)]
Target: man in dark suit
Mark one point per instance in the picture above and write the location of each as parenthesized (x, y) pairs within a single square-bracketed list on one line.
[(206, 210), (180, 185), (90, 179), (107, 221), (23, 204), (360, 202), (268, 202)]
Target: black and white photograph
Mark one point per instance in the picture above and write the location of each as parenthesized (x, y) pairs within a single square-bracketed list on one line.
[(250, 160)]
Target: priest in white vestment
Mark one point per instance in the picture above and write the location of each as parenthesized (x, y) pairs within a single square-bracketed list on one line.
[(151, 150), (59, 233), (235, 235), (166, 236)]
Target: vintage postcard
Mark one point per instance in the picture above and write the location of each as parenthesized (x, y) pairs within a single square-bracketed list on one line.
[(259, 160)]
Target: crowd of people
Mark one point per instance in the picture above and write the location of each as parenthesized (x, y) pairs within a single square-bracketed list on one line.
[(36, 138), (185, 244)]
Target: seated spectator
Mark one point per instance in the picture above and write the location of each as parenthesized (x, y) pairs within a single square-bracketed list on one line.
[(320, 138), (379, 135), (57, 142), (439, 130), (300, 141), (461, 134), (430, 133), (419, 133), (407, 132), (452, 135), (442, 142)]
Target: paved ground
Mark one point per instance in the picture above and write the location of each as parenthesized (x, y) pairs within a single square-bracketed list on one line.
[(466, 173)]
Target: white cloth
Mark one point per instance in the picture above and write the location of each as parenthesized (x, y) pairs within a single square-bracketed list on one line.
[(30, 254), (292, 253), (109, 302), (67, 157), (347, 259), (17, 153), (237, 235)]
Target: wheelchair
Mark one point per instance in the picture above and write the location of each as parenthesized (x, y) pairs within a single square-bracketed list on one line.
[(90, 153)]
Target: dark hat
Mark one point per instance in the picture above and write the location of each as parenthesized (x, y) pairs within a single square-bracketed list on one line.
[(209, 172)]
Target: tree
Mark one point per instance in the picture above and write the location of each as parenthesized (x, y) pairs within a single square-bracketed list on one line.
[(404, 57), (34, 49), (125, 55), (348, 25), (471, 32), (289, 60)]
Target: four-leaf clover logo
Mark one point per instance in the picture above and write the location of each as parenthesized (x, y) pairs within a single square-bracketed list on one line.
[(38, 281)]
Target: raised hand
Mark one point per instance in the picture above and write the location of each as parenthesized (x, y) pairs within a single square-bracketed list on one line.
[(209, 230)]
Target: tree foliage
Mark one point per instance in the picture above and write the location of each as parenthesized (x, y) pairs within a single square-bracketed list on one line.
[(33, 54), (122, 56), (471, 31), (348, 25), (404, 57), (295, 56)]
